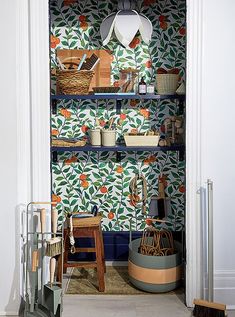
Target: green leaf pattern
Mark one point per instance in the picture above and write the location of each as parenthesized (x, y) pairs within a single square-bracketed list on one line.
[(81, 180)]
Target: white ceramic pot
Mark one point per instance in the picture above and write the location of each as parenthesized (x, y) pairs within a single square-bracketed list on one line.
[(95, 136), (108, 137)]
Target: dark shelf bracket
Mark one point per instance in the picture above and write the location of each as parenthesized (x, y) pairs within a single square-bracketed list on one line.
[(118, 106), (118, 156), (54, 156), (54, 106), (181, 107), (181, 155)]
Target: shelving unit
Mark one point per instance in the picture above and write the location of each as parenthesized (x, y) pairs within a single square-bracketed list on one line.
[(119, 147)]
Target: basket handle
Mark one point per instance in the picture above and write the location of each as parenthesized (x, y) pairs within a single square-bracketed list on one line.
[(141, 218)]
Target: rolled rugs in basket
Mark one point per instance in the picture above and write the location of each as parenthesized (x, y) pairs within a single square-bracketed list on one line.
[(73, 81)]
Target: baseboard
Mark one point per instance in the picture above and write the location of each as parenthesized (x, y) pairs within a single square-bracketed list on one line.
[(115, 245), (224, 288), (9, 313), (116, 263)]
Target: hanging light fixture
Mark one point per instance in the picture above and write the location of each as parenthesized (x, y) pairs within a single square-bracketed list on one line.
[(125, 23)]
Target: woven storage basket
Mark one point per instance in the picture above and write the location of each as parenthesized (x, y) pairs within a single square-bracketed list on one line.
[(73, 82), (63, 143), (167, 83)]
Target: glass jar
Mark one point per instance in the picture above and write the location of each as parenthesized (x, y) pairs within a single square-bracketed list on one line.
[(129, 80)]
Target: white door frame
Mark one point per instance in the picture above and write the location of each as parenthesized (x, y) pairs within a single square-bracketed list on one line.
[(193, 151), (33, 108), (34, 115), (33, 101)]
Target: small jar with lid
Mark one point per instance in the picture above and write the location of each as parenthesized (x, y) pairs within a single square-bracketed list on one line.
[(150, 89)]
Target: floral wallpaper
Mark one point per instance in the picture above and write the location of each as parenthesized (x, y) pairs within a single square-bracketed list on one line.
[(83, 179)]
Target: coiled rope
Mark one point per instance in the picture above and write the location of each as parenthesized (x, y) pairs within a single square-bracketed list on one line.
[(134, 191), (71, 237)]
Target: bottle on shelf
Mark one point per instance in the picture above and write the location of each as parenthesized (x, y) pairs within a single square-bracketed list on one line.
[(150, 89), (142, 87)]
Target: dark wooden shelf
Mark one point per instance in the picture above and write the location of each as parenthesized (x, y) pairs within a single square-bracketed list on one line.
[(118, 148), (117, 97), (121, 148)]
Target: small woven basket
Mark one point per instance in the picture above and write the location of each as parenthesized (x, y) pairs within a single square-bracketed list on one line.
[(167, 83), (63, 143), (73, 81)]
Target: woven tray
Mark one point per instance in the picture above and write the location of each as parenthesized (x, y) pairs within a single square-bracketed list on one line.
[(105, 90), (56, 142)]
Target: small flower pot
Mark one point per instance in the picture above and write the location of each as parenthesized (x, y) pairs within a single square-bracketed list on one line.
[(108, 137), (95, 137)]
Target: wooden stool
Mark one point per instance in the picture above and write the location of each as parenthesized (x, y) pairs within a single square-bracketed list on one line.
[(87, 228)]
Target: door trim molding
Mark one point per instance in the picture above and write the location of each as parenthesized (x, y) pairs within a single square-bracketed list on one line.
[(40, 98), (33, 110), (37, 123), (193, 151), (33, 101)]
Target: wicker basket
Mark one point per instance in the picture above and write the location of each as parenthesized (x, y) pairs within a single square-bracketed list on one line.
[(167, 83), (73, 82), (63, 143)]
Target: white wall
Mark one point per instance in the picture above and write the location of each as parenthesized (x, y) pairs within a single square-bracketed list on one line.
[(9, 268), (25, 132), (218, 136)]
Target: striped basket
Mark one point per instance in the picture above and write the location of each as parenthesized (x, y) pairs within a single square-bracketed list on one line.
[(73, 82), (152, 273), (167, 83)]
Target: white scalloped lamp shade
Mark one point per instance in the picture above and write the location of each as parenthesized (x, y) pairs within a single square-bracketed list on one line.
[(125, 24)]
